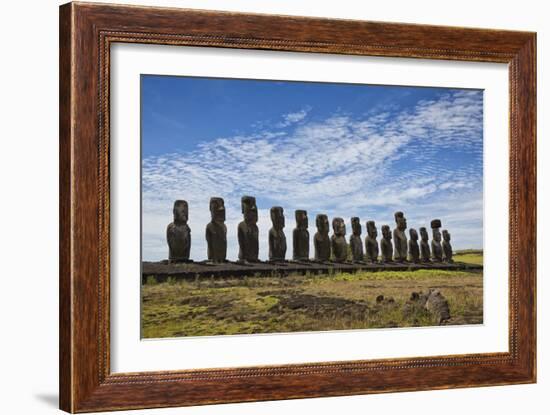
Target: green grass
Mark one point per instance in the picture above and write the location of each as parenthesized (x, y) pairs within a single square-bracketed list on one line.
[(305, 303), (469, 256)]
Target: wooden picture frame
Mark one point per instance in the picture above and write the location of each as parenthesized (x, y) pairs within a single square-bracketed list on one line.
[(86, 33)]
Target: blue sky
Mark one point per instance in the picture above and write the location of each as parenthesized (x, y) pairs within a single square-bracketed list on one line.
[(341, 149)]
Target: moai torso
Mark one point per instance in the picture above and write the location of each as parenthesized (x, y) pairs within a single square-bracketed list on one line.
[(400, 238), (321, 240), (437, 249), (414, 249), (178, 233), (338, 240), (247, 231), (386, 245), (447, 248), (425, 253), (355, 242), (300, 237), (216, 231), (371, 244), (277, 238)]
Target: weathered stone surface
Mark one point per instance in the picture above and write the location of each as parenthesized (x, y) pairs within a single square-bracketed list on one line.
[(277, 238), (400, 238), (247, 231), (414, 249), (216, 231), (371, 244), (178, 233), (438, 306), (425, 253), (300, 237), (447, 248), (437, 250), (432, 302), (338, 240), (355, 242), (191, 270), (321, 240), (386, 245)]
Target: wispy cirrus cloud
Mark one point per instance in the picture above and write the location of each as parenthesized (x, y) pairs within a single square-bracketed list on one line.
[(425, 160)]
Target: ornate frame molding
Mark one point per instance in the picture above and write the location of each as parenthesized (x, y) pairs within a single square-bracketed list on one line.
[(86, 33)]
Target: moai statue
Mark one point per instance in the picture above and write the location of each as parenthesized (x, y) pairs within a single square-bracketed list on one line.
[(216, 231), (385, 245), (178, 233), (400, 238), (425, 253), (414, 249), (247, 231), (447, 248), (277, 238), (437, 250), (300, 237), (338, 240), (355, 242), (371, 244), (321, 240)]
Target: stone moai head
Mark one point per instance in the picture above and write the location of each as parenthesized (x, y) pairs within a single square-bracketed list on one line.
[(436, 224), (400, 221), (413, 234), (386, 233), (339, 226), (181, 211), (356, 226), (371, 229), (249, 209), (321, 221), (446, 235), (277, 217), (217, 209), (301, 219), (423, 233)]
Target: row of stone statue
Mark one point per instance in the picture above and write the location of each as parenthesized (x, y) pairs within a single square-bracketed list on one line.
[(334, 249)]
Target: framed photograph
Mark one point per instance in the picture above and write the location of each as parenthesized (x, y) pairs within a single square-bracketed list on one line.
[(259, 207)]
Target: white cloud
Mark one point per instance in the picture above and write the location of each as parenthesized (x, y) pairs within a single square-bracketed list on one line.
[(342, 165), (293, 117)]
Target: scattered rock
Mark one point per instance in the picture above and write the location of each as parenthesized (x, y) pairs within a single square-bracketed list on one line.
[(432, 302), (438, 306), (318, 305)]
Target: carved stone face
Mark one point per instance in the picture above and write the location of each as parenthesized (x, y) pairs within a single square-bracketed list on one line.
[(437, 235), (424, 234), (401, 223), (180, 211), (446, 236), (321, 221), (386, 234), (301, 219), (413, 234), (277, 217), (371, 229), (249, 209), (356, 226), (217, 209), (339, 226)]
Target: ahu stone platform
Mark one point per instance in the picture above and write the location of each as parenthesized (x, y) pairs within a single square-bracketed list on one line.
[(193, 270)]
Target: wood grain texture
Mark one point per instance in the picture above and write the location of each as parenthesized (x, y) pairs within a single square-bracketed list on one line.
[(86, 33)]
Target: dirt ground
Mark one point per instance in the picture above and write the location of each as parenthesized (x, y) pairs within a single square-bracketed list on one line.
[(307, 303)]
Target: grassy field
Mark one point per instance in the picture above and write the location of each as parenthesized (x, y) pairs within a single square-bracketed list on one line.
[(307, 303)]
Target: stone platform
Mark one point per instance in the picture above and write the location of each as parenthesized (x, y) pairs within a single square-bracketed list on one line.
[(193, 270)]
